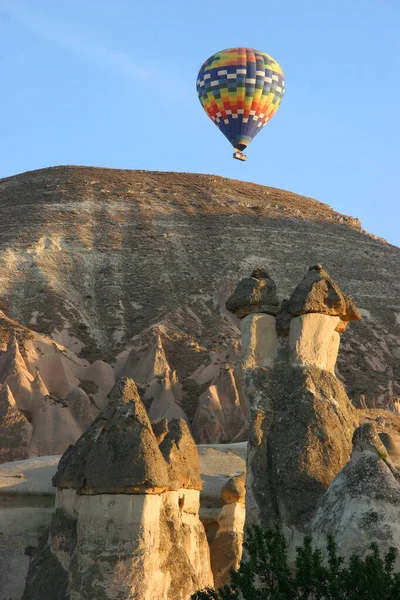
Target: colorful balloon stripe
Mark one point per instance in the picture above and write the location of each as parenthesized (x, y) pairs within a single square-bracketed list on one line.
[(240, 89)]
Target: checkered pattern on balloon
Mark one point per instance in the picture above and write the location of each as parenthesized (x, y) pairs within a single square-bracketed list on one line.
[(240, 89)]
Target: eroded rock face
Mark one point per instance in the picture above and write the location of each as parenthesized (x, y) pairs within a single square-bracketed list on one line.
[(27, 505), (301, 420), (126, 520), (301, 427), (118, 453), (392, 446), (180, 452), (258, 340), (209, 400), (226, 548), (15, 429), (220, 416), (94, 288), (313, 340), (362, 504), (44, 408)]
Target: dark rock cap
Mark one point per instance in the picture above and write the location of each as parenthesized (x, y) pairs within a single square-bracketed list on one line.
[(125, 390), (318, 293), (255, 294), (234, 489), (180, 451), (118, 453)]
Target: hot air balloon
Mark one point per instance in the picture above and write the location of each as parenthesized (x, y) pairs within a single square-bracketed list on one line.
[(240, 89)]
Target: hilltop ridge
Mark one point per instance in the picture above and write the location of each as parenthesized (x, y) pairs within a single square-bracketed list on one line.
[(210, 194)]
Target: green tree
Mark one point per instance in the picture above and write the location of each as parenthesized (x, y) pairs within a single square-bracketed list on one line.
[(265, 574)]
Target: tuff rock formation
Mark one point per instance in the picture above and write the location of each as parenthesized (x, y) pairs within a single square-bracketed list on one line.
[(141, 283), (15, 429), (48, 396), (226, 548), (165, 250), (126, 519), (27, 504), (221, 416), (146, 282), (362, 504), (301, 420), (208, 400), (319, 312), (301, 425)]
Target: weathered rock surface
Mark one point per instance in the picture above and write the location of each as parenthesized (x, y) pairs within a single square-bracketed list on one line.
[(180, 452), (388, 426), (209, 400), (234, 490), (318, 293), (15, 429), (362, 504), (392, 447), (220, 416), (43, 406), (255, 294), (226, 548), (301, 428), (301, 420), (258, 341), (167, 249), (118, 453), (126, 518), (319, 311), (313, 340), (27, 504)]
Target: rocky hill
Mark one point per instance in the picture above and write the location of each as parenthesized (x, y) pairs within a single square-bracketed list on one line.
[(135, 507), (134, 268)]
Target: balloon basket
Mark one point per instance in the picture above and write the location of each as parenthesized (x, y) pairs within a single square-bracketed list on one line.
[(239, 156)]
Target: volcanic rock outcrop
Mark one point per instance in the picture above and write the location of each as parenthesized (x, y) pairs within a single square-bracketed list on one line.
[(15, 429), (106, 254), (301, 420), (226, 548), (149, 368), (48, 396), (126, 521), (27, 499), (208, 400), (221, 416), (362, 504)]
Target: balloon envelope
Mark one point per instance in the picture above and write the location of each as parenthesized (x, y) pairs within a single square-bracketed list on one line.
[(240, 89)]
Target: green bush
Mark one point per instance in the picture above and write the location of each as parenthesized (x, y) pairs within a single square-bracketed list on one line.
[(265, 575)]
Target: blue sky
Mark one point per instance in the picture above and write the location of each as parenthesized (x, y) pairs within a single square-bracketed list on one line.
[(112, 84)]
